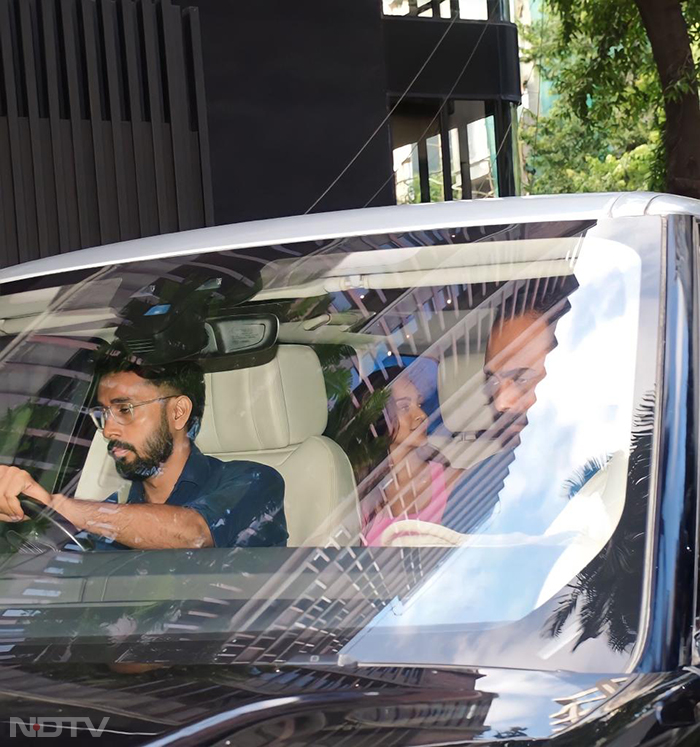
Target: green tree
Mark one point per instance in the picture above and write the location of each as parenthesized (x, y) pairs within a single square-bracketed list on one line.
[(625, 105)]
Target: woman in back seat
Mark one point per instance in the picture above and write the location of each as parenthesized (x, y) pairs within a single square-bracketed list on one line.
[(413, 480)]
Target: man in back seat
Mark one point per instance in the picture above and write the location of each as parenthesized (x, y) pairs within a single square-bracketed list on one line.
[(179, 498), (521, 338)]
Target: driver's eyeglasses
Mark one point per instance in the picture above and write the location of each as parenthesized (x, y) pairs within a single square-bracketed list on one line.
[(123, 413)]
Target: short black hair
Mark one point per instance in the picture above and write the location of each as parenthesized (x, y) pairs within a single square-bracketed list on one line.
[(180, 377)]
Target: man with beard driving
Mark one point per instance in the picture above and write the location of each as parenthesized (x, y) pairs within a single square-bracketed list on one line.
[(178, 498)]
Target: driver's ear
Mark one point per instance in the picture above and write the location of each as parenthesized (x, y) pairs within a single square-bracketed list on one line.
[(181, 412)]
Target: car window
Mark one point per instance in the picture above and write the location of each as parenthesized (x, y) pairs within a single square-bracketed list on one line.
[(457, 414)]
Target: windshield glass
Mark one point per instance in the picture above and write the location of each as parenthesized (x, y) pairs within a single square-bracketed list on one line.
[(427, 447)]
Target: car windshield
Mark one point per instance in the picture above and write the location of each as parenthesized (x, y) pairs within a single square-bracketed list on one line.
[(444, 438)]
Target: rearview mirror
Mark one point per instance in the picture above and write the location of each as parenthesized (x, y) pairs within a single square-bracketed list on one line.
[(247, 333)]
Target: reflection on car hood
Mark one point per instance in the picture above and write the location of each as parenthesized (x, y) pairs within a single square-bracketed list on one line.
[(255, 705)]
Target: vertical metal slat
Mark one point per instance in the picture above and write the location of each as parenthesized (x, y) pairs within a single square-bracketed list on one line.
[(8, 226), (464, 163), (179, 119), (48, 13), (109, 229), (202, 129), (423, 170), (107, 8), (35, 139), (156, 108), (13, 129), (143, 150), (105, 133), (446, 152), (84, 182)]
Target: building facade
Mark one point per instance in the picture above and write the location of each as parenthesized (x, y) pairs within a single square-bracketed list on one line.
[(128, 118), (333, 105)]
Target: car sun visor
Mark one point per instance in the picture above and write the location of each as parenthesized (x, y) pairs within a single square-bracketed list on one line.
[(420, 267)]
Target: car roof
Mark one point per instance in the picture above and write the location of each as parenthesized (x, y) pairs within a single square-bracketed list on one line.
[(345, 223)]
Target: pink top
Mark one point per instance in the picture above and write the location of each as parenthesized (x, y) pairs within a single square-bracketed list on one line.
[(433, 512)]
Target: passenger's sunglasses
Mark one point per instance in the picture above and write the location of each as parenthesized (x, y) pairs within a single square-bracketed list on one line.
[(123, 413)]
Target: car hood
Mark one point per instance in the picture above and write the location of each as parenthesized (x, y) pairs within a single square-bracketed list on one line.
[(258, 705)]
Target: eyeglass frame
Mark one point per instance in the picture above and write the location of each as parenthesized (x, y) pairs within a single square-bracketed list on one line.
[(493, 381), (131, 405)]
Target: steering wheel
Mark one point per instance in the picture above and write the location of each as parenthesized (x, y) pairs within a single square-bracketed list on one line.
[(36, 509)]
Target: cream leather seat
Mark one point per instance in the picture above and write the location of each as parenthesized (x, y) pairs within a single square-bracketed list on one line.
[(465, 411), (274, 414)]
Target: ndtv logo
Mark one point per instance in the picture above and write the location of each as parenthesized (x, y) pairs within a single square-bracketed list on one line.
[(50, 726)]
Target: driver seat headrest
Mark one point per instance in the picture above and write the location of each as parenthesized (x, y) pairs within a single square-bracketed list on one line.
[(465, 411), (463, 403)]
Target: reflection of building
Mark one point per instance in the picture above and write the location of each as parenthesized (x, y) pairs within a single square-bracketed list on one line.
[(576, 706), (328, 597), (44, 390), (130, 119), (435, 703)]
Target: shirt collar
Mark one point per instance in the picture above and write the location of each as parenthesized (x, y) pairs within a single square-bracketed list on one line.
[(196, 469), (195, 472)]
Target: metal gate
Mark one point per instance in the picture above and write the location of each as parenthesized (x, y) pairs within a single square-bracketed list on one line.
[(103, 128)]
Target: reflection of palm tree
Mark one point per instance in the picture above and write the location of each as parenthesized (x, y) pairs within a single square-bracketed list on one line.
[(606, 593), (514, 731), (349, 422)]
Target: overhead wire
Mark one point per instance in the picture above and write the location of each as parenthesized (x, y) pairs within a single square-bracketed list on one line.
[(442, 106), (380, 126), (413, 150)]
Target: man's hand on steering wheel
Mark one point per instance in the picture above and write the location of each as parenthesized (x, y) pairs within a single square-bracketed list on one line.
[(13, 482)]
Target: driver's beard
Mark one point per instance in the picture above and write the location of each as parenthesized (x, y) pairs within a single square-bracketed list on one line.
[(157, 450)]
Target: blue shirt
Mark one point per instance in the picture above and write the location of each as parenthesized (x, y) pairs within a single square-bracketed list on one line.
[(242, 502)]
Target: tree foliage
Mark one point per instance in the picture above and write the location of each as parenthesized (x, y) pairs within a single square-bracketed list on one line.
[(605, 130)]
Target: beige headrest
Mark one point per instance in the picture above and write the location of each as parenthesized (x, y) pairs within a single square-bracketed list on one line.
[(272, 406), (463, 402)]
